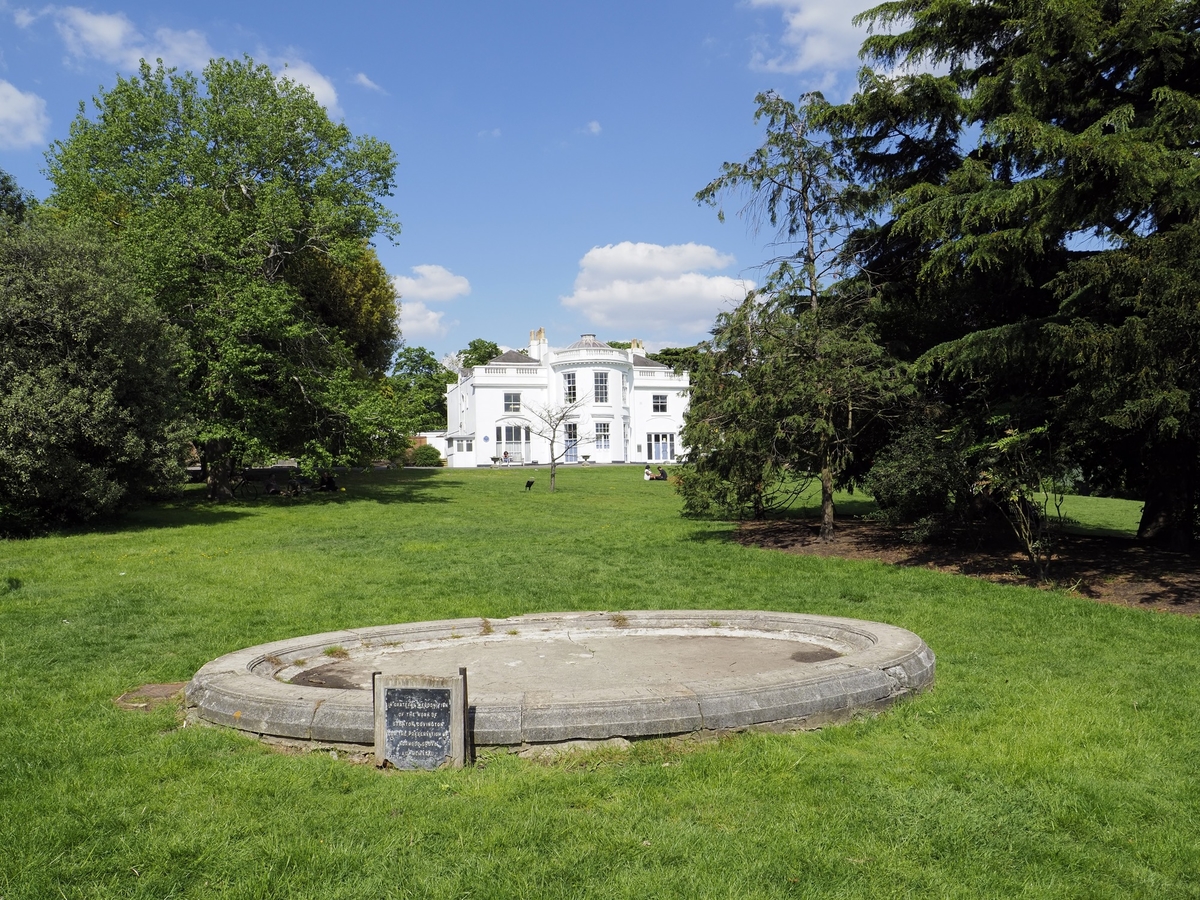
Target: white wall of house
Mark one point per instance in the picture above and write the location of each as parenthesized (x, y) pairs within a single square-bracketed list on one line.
[(633, 409)]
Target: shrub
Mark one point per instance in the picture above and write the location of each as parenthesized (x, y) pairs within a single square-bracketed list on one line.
[(915, 477), (425, 455), (88, 383)]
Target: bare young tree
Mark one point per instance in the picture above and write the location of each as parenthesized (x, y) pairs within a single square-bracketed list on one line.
[(549, 420)]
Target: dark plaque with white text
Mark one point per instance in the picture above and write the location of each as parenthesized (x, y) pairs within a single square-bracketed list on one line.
[(419, 721)]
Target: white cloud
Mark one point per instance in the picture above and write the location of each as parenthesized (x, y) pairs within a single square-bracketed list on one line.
[(593, 127), (818, 37), (114, 39), (639, 262), (494, 133), (641, 288), (185, 49), (23, 119), (431, 283), (296, 69), (362, 79), (23, 17), (419, 321)]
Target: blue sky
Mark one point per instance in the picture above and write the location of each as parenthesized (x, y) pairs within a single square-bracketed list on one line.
[(548, 151)]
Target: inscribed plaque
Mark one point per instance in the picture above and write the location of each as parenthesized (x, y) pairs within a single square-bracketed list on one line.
[(419, 721)]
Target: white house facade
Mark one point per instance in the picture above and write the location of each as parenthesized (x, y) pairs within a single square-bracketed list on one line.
[(629, 408)]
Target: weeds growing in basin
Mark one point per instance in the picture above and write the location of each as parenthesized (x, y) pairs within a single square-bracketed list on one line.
[(1056, 755), (619, 620), (336, 652)]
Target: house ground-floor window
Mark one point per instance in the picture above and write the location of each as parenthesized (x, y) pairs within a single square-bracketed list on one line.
[(513, 440), (661, 446), (461, 444), (571, 434), (602, 436)]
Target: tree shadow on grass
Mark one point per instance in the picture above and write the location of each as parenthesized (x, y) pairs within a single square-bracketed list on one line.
[(1097, 566), (724, 535), (191, 506), (390, 486), (168, 514), (797, 517)]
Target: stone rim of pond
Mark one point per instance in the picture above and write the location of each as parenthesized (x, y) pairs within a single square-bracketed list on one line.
[(860, 666)]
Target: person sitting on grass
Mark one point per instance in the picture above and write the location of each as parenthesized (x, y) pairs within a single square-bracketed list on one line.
[(327, 483), (662, 474), (648, 475)]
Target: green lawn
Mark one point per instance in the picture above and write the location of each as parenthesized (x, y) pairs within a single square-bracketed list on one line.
[(1057, 756)]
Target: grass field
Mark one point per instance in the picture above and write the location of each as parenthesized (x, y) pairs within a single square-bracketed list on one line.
[(1057, 756)]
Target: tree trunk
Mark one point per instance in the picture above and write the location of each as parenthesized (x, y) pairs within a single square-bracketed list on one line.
[(220, 470), (826, 502), (826, 490), (1168, 520)]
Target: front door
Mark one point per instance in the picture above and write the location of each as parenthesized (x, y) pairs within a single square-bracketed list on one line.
[(661, 447)]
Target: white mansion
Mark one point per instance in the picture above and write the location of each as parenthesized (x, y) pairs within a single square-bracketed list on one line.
[(630, 408)]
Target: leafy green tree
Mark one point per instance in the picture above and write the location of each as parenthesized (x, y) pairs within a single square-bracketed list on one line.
[(245, 213), (796, 380), (1037, 205), (420, 380), (89, 386), (478, 353), (356, 297), (14, 202)]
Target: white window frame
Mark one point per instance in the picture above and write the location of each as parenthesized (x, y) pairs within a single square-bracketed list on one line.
[(600, 383), (569, 392), (603, 436), (512, 402), (658, 403)]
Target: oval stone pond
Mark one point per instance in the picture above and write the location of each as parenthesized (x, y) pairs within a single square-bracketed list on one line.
[(556, 677)]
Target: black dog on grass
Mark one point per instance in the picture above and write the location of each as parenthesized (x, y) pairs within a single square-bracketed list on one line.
[(529, 485)]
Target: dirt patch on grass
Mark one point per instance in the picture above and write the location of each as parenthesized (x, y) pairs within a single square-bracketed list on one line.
[(1106, 569), (151, 696)]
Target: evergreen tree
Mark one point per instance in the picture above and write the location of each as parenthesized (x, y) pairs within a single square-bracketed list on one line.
[(1035, 203), (793, 380)]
